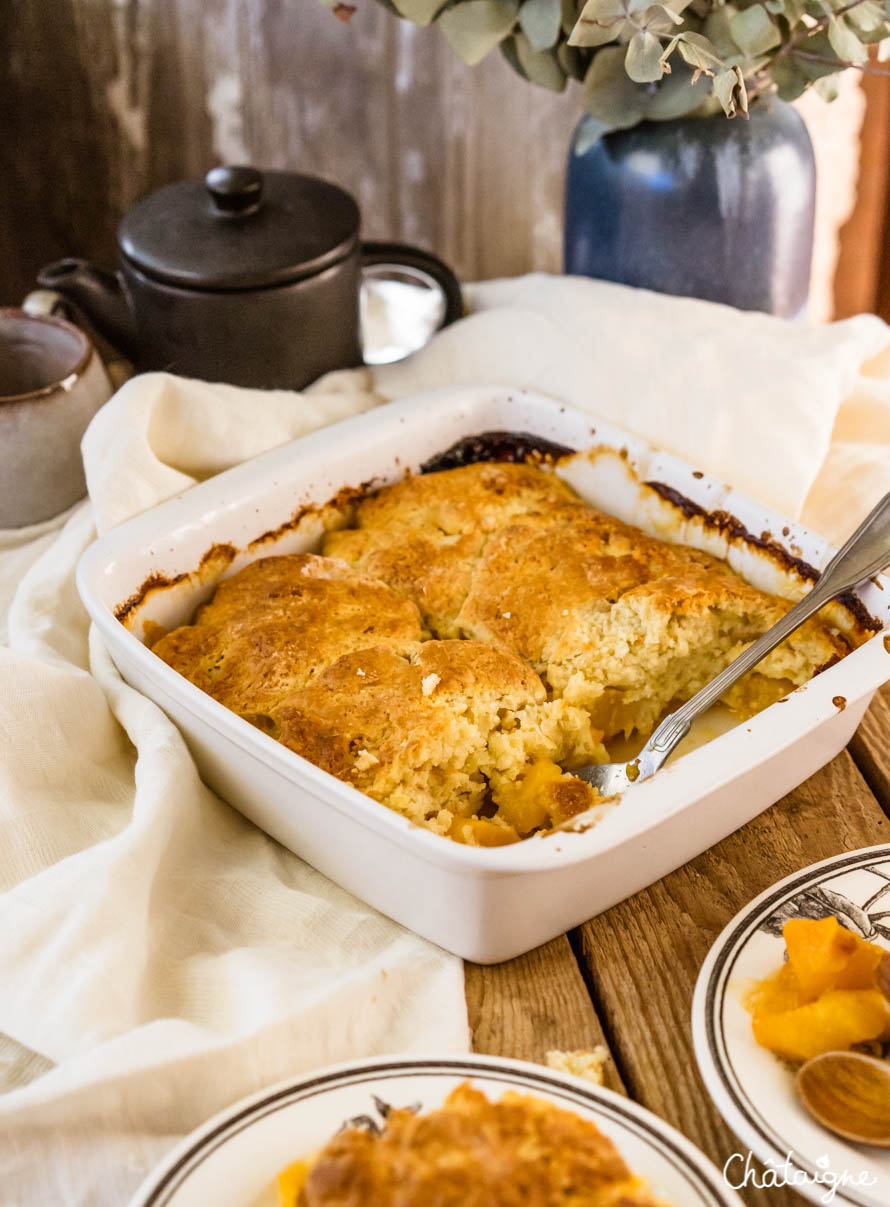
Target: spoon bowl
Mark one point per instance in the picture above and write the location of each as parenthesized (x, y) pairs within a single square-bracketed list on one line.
[(848, 1093)]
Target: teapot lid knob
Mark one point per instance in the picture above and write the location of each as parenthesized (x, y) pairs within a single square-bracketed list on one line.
[(235, 190)]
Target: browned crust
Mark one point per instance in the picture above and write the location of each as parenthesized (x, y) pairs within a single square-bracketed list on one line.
[(344, 498), (154, 582), (218, 556), (725, 522), (349, 496)]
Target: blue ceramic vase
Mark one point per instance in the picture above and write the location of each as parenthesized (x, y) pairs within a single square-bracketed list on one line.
[(702, 207)]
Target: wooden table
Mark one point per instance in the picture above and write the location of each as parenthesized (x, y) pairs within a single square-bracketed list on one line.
[(626, 978)]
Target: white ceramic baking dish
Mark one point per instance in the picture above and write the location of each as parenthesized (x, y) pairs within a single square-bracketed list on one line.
[(484, 904)]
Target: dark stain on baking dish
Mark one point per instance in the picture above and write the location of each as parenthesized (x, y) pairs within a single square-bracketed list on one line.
[(216, 558), (840, 702), (154, 582), (727, 523), (346, 497), (497, 446)]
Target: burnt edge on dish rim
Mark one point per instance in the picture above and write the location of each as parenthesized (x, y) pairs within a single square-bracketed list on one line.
[(703, 1179), (726, 522), (725, 961), (512, 447), (223, 555)]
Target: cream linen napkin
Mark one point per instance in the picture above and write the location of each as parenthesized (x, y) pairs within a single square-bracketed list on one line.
[(747, 397), (161, 957)]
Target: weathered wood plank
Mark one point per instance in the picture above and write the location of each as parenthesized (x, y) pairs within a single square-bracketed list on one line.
[(870, 748), (105, 100), (531, 1005), (644, 955)]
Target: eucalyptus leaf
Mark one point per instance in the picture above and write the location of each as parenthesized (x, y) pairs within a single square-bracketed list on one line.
[(539, 66), (844, 42), (729, 88), (678, 95), (659, 19), (589, 131), (595, 33), (643, 59), (828, 86), (571, 60), (866, 16), (716, 30), (603, 11), (540, 21), (824, 60), (610, 95), (473, 28), (599, 23), (570, 15), (508, 50), (699, 52), (754, 31), (791, 82), (872, 37), (421, 12)]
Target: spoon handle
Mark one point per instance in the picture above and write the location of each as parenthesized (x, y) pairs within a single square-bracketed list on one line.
[(865, 553)]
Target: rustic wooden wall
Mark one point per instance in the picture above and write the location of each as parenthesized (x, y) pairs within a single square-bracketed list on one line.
[(103, 100)]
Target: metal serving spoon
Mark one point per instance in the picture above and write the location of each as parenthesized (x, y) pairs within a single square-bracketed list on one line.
[(864, 554), (849, 1093)]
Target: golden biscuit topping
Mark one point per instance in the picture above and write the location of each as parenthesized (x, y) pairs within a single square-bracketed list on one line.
[(469, 1153), (472, 641)]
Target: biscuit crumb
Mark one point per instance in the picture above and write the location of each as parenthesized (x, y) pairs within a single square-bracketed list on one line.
[(586, 1063), (428, 683), (365, 760)]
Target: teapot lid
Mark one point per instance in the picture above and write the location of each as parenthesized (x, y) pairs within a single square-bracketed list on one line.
[(239, 228)]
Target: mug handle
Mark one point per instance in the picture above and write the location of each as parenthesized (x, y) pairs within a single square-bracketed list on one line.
[(412, 257)]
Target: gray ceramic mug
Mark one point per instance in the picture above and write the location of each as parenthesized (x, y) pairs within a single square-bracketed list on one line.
[(52, 382)]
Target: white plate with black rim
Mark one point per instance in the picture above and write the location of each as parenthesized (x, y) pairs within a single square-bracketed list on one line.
[(233, 1160), (752, 1089)]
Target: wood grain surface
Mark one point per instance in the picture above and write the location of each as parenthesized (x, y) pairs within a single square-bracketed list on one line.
[(871, 748), (104, 100), (529, 1006)]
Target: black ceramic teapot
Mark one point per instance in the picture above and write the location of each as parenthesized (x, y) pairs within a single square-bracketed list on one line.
[(247, 277)]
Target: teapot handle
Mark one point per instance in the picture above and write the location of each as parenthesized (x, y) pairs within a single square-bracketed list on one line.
[(401, 255)]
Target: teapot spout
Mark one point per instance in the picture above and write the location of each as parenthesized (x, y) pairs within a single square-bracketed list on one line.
[(99, 294)]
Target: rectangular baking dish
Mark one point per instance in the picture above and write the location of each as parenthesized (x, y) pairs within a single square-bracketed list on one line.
[(486, 905)]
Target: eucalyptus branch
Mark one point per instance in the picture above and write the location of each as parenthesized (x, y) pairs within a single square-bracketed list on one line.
[(865, 68), (613, 44), (817, 28)]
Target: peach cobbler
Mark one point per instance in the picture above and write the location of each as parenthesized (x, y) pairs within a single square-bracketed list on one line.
[(475, 634), (469, 1153)]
